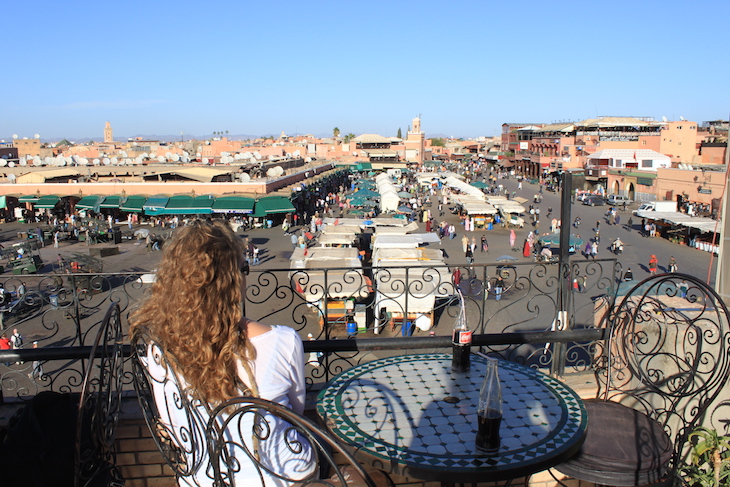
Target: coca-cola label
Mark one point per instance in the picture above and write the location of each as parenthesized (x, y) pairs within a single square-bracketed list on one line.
[(462, 337)]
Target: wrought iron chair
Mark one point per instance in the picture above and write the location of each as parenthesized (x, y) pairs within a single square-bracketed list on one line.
[(245, 436), (100, 405), (664, 365)]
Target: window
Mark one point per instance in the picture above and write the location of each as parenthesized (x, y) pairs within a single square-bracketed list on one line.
[(647, 163)]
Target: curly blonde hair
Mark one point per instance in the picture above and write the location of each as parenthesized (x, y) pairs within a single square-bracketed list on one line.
[(194, 310)]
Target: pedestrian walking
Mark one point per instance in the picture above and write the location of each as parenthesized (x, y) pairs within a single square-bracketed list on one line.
[(464, 243), (56, 236), (630, 224), (485, 245), (498, 288), (628, 275), (469, 256), (512, 238), (672, 266), (37, 371), (653, 261), (594, 249)]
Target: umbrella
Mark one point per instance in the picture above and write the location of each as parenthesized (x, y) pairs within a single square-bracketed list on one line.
[(520, 200), (366, 193), (142, 232), (357, 201), (479, 184), (404, 194), (405, 209), (554, 239), (357, 212), (506, 258)]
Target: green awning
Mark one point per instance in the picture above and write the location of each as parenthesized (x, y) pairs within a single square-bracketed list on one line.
[(273, 204), (89, 203), (133, 204), (113, 201), (47, 201), (259, 210), (188, 205), (30, 198), (233, 204), (3, 202), (155, 204)]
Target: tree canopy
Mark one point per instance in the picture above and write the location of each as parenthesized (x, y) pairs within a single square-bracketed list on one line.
[(437, 142)]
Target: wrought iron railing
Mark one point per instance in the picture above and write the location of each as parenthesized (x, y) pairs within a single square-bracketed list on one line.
[(352, 314)]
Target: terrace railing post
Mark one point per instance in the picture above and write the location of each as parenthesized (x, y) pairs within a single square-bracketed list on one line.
[(563, 319)]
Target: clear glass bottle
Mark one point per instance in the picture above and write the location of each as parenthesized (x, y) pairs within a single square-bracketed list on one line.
[(489, 409)]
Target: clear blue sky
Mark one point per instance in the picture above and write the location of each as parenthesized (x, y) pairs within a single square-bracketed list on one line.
[(163, 67)]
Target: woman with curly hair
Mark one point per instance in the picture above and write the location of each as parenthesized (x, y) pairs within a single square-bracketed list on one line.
[(194, 314)]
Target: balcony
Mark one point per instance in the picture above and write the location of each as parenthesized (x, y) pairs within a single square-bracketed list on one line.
[(529, 325)]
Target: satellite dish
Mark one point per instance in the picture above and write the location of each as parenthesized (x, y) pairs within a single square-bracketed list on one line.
[(308, 159), (175, 157), (114, 161), (681, 118), (83, 162), (63, 162), (297, 153), (106, 161), (37, 136), (11, 164), (245, 177), (185, 159), (15, 136), (279, 170), (161, 159), (23, 162), (48, 160), (257, 155), (97, 162), (664, 119), (271, 172), (36, 161), (11, 177), (168, 155), (3, 163)]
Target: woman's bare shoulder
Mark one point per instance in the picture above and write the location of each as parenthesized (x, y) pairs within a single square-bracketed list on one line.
[(254, 328)]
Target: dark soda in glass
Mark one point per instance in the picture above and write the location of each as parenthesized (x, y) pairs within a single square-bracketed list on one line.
[(461, 348), (488, 432)]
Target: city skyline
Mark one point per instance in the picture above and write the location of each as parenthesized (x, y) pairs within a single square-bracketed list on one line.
[(166, 68)]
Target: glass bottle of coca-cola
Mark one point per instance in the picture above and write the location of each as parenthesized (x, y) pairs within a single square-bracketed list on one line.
[(461, 342), (489, 410)]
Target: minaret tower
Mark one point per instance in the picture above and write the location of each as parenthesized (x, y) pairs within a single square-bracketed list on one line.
[(108, 134), (415, 143)]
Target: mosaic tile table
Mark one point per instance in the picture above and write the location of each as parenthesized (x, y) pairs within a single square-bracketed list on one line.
[(413, 416)]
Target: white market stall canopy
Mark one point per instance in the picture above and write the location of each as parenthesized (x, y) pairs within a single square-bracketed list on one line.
[(334, 239), (323, 257), (347, 281), (362, 223), (706, 225), (465, 188), (474, 205), (410, 241), (411, 227)]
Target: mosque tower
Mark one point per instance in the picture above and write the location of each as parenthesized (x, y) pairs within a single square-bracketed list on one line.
[(415, 143), (108, 134)]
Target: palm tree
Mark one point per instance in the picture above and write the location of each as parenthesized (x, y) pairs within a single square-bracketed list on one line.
[(336, 132), (347, 138)]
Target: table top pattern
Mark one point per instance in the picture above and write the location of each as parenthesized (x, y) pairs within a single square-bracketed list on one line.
[(413, 414)]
